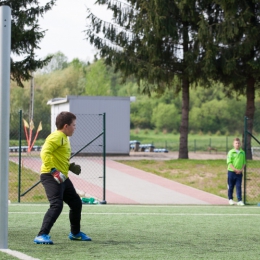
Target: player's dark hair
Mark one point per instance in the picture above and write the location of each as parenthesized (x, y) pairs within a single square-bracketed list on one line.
[(236, 139), (64, 118)]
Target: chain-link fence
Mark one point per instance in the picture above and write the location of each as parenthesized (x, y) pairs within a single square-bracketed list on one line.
[(252, 172), (216, 145), (88, 150)]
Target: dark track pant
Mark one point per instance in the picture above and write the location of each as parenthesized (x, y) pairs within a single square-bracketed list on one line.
[(234, 180), (56, 194)]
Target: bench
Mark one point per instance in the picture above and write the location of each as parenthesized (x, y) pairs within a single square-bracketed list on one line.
[(134, 145), (146, 147), (161, 150), (15, 149)]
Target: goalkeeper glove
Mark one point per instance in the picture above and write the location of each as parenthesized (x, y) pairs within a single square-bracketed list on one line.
[(58, 176), (75, 168)]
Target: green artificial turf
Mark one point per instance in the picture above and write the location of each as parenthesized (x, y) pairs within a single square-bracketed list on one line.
[(142, 232)]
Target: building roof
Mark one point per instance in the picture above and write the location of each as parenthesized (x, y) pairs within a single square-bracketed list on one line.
[(59, 100)]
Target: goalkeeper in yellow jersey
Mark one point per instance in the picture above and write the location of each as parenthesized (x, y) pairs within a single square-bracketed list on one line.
[(55, 155)]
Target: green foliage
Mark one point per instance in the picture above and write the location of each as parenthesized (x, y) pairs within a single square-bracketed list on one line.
[(69, 81), (98, 81), (26, 36), (230, 37), (192, 40), (155, 43), (166, 116), (217, 115), (141, 115), (150, 44), (210, 109), (233, 28), (58, 83)]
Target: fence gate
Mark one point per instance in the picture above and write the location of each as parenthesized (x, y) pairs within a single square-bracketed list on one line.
[(252, 171), (88, 150)]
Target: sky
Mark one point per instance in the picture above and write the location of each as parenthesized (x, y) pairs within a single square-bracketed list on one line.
[(65, 24)]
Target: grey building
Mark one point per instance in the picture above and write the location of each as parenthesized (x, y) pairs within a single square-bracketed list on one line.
[(117, 111)]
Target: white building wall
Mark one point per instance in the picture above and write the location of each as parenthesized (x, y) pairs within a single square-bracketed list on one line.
[(55, 110)]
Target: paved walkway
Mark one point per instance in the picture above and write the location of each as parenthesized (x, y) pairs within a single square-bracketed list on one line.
[(127, 185)]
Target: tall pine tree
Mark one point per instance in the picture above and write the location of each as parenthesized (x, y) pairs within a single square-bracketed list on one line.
[(156, 42), (230, 36)]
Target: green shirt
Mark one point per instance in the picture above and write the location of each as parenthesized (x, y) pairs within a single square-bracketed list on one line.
[(237, 159), (56, 153)]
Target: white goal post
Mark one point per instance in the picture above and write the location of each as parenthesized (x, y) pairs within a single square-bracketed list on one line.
[(5, 55)]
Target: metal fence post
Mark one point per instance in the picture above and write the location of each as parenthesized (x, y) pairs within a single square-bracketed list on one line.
[(20, 155), (104, 159), (226, 144), (245, 149)]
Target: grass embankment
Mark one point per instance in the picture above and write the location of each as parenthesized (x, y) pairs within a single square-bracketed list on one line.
[(207, 175), (28, 178)]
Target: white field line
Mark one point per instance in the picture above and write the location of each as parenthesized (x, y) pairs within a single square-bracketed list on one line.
[(18, 255), (150, 213), (140, 206)]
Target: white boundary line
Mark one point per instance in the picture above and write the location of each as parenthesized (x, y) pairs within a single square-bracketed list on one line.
[(141, 205), (18, 255), (151, 213)]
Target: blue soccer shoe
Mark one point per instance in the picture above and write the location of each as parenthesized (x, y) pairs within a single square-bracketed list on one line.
[(79, 237), (43, 239)]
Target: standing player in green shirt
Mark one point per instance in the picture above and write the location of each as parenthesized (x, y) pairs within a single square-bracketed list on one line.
[(55, 155), (236, 161)]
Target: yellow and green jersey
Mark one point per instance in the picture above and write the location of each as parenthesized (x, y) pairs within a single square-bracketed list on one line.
[(237, 159), (56, 153)]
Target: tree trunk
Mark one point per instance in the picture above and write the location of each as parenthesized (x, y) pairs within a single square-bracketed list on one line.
[(250, 112), (184, 128)]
